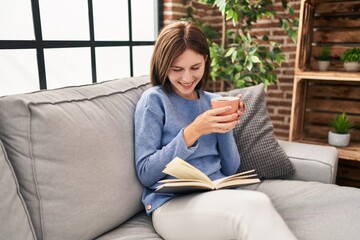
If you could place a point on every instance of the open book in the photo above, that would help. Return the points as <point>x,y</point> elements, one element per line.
<point>190,179</point>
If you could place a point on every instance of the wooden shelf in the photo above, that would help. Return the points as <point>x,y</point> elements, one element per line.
<point>318,96</point>
<point>351,152</point>
<point>329,75</point>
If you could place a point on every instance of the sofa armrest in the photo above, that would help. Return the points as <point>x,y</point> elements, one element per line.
<point>312,162</point>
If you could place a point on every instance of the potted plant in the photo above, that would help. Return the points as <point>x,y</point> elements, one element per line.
<point>340,135</point>
<point>323,61</point>
<point>351,59</point>
<point>240,58</point>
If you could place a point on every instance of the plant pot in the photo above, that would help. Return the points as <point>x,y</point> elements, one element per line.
<point>352,66</point>
<point>338,140</point>
<point>323,65</point>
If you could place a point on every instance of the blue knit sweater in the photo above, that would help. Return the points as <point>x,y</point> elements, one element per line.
<point>160,119</point>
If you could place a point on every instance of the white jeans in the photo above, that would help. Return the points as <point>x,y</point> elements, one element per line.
<point>221,215</point>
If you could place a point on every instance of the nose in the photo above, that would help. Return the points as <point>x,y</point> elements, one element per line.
<point>187,76</point>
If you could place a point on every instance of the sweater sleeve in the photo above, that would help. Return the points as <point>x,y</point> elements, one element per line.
<point>151,156</point>
<point>228,153</point>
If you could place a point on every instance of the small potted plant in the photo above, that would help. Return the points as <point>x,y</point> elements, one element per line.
<point>340,135</point>
<point>323,60</point>
<point>351,59</point>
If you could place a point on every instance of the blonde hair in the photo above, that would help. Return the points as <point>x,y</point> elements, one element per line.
<point>172,41</point>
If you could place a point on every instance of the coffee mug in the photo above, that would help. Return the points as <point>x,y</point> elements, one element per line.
<point>219,102</point>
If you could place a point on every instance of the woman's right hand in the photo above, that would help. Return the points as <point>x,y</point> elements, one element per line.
<point>210,122</point>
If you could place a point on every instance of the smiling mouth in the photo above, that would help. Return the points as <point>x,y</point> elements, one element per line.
<point>187,85</point>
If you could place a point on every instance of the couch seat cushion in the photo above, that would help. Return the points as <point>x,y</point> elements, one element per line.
<point>137,228</point>
<point>314,210</point>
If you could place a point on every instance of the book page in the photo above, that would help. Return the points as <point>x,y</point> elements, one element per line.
<point>176,180</point>
<point>190,179</point>
<point>183,170</point>
<point>187,187</point>
<point>236,175</point>
<point>237,182</point>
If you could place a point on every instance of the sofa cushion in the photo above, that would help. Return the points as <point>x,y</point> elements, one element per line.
<point>315,210</point>
<point>73,152</point>
<point>254,136</point>
<point>139,227</point>
<point>14,217</point>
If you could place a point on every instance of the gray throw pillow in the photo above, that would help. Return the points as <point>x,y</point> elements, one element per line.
<point>255,138</point>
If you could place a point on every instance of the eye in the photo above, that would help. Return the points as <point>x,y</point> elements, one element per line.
<point>176,69</point>
<point>196,67</point>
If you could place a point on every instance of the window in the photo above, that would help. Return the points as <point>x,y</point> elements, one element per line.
<point>49,44</point>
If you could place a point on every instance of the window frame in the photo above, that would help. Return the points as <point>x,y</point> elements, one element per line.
<point>39,44</point>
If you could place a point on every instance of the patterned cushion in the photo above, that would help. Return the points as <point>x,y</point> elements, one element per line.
<point>255,139</point>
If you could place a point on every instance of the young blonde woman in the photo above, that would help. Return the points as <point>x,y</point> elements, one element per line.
<point>174,119</point>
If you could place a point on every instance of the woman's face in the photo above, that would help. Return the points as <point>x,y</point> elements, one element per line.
<point>186,72</point>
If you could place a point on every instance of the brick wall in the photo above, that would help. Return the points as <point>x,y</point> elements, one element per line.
<point>279,96</point>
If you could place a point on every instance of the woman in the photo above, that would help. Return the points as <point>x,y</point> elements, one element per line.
<point>174,119</point>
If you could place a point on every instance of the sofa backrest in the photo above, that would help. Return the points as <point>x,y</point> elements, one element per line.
<point>15,222</point>
<point>72,150</point>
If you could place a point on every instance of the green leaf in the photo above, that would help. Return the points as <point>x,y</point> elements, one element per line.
<point>221,4</point>
<point>249,65</point>
<point>285,24</point>
<point>230,52</point>
<point>278,60</point>
<point>240,83</point>
<point>272,43</point>
<point>296,22</point>
<point>268,14</point>
<point>291,11</point>
<point>229,14</point>
<point>235,18</point>
<point>276,50</point>
<point>237,76</point>
<point>253,51</point>
<point>254,59</point>
<point>243,38</point>
<point>233,56</point>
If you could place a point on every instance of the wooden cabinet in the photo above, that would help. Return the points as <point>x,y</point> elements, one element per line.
<point>318,96</point>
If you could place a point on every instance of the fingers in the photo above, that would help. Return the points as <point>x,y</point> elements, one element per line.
<point>217,111</point>
<point>242,108</point>
<point>225,127</point>
<point>226,118</point>
<point>215,121</point>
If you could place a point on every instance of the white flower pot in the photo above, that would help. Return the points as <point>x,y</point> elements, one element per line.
<point>339,140</point>
<point>323,65</point>
<point>352,66</point>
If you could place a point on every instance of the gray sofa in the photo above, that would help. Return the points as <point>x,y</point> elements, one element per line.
<point>67,171</point>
